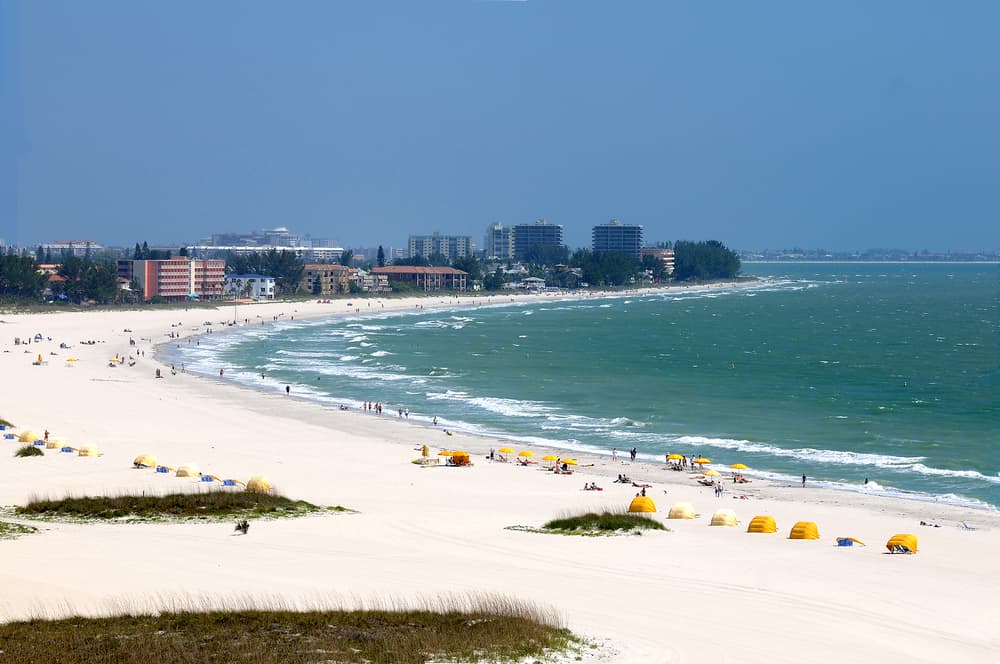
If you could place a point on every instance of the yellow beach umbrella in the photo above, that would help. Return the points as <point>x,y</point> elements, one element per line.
<point>702,460</point>
<point>712,473</point>
<point>526,453</point>
<point>570,462</point>
<point>739,466</point>
<point>675,457</point>
<point>505,450</point>
<point>549,457</point>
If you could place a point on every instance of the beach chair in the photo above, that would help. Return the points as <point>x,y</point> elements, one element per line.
<point>68,450</point>
<point>966,526</point>
<point>206,478</point>
<point>162,469</point>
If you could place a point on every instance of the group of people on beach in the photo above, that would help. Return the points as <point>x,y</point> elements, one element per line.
<point>370,407</point>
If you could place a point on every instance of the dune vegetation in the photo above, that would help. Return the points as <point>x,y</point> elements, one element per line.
<point>215,505</point>
<point>490,629</point>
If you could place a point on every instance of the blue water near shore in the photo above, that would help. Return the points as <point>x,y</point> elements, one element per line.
<point>838,371</point>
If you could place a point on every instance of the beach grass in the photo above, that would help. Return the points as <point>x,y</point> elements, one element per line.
<point>604,522</point>
<point>5,423</point>
<point>11,530</point>
<point>215,505</point>
<point>596,524</point>
<point>29,451</point>
<point>487,629</point>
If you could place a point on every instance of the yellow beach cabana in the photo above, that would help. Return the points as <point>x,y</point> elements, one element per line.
<point>681,511</point>
<point>188,470</point>
<point>642,504</point>
<point>762,524</point>
<point>89,451</point>
<point>902,543</point>
<point>144,461</point>
<point>259,484</point>
<point>28,436</point>
<point>804,530</point>
<point>723,517</point>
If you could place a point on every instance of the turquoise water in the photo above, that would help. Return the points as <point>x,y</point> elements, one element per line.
<point>839,371</point>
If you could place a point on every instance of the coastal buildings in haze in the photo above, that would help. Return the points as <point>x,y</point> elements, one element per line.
<point>616,236</point>
<point>449,246</point>
<point>498,244</point>
<point>540,234</point>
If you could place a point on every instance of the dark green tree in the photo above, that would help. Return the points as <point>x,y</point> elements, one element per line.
<point>346,257</point>
<point>381,256</point>
<point>701,261</point>
<point>471,265</point>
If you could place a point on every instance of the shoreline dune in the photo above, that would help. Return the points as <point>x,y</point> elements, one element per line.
<point>694,594</point>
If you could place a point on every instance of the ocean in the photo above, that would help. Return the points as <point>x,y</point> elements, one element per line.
<point>841,372</point>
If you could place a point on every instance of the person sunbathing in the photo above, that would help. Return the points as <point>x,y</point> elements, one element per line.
<point>642,486</point>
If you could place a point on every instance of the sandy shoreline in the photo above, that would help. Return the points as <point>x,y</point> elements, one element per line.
<point>421,531</point>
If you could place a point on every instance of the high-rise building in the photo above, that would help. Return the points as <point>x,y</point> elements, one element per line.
<point>538,234</point>
<point>176,278</point>
<point>616,236</point>
<point>449,246</point>
<point>498,243</point>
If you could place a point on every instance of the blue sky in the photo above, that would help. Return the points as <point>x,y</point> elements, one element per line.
<point>760,124</point>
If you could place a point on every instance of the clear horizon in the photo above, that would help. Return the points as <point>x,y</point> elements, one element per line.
<point>770,125</point>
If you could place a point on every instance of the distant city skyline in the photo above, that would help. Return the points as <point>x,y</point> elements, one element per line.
<point>843,127</point>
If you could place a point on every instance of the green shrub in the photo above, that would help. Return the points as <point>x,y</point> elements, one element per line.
<point>212,504</point>
<point>490,629</point>
<point>29,450</point>
<point>606,521</point>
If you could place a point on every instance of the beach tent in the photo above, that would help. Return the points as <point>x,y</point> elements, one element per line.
<point>642,504</point>
<point>89,450</point>
<point>460,458</point>
<point>28,436</point>
<point>902,543</point>
<point>188,470</point>
<point>762,524</point>
<point>259,484</point>
<point>723,517</point>
<point>681,511</point>
<point>144,461</point>
<point>804,530</point>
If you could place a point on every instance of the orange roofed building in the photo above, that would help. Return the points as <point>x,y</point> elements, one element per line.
<point>426,278</point>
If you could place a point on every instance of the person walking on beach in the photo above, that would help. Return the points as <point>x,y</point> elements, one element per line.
<point>288,389</point>
<point>803,481</point>
<point>614,454</point>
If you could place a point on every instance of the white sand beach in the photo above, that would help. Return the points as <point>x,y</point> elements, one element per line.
<point>695,594</point>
